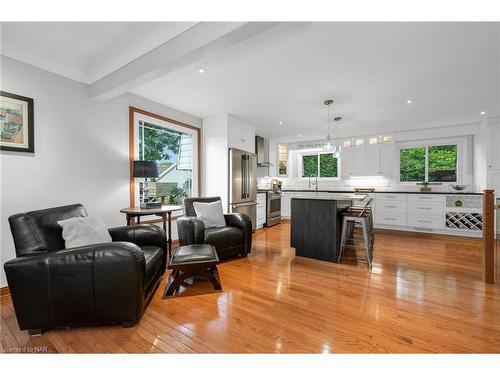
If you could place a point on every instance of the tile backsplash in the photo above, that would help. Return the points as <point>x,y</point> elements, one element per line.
<point>379,183</point>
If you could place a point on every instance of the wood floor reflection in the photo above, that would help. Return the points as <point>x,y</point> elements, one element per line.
<point>424,294</point>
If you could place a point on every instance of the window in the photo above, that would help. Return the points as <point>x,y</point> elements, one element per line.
<point>437,163</point>
<point>323,165</point>
<point>174,146</point>
<point>282,160</point>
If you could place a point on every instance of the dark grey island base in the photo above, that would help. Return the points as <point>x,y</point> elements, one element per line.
<point>316,227</point>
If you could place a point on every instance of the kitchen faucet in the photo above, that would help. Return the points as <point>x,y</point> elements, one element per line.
<point>316,183</point>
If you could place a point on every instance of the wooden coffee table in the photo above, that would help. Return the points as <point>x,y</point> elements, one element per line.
<point>199,260</point>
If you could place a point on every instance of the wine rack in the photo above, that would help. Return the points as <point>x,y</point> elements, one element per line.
<point>464,220</point>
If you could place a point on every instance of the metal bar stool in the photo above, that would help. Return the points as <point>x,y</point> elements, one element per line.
<point>361,216</point>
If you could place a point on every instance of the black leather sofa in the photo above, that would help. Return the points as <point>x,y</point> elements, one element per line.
<point>235,239</point>
<point>108,283</point>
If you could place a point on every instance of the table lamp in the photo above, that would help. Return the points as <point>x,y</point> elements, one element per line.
<point>145,169</point>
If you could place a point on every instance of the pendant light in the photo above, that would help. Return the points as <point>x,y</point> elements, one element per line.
<point>327,146</point>
<point>336,151</point>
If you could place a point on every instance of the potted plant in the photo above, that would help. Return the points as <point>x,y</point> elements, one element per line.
<point>425,186</point>
<point>176,195</point>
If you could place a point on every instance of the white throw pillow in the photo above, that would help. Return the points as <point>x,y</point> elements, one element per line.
<point>210,213</point>
<point>81,231</point>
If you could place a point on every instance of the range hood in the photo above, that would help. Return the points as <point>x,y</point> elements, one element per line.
<point>260,150</point>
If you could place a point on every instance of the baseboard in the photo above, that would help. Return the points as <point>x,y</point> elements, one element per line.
<point>4,291</point>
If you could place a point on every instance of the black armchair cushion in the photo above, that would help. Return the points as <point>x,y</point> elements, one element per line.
<point>224,237</point>
<point>38,231</point>
<point>153,256</point>
<point>142,234</point>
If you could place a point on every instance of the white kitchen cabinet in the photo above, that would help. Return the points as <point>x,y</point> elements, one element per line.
<point>388,160</point>
<point>353,161</point>
<point>390,209</point>
<point>261,209</point>
<point>373,160</point>
<point>240,135</point>
<point>380,159</point>
<point>359,161</point>
<point>426,211</point>
<point>364,158</point>
<point>494,154</point>
<point>346,162</point>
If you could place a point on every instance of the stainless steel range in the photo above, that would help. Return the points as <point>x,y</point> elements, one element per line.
<point>273,215</point>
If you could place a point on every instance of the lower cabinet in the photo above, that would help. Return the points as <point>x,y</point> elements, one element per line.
<point>261,209</point>
<point>432,222</point>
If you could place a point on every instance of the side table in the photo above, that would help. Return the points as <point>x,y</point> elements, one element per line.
<point>165,212</point>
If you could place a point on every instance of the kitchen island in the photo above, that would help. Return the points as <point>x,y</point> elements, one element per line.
<point>316,224</point>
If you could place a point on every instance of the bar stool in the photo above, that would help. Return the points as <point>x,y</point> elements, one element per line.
<point>358,216</point>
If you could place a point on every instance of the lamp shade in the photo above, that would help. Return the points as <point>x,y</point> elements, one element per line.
<point>146,169</point>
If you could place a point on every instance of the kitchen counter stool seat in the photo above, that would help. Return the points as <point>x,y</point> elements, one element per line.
<point>358,216</point>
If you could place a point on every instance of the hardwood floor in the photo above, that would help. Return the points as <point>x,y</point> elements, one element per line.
<point>424,294</point>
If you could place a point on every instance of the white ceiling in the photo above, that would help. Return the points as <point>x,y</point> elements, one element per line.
<point>285,73</point>
<point>84,51</point>
<point>370,69</point>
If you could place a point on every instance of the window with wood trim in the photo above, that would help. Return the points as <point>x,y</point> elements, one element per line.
<point>175,147</point>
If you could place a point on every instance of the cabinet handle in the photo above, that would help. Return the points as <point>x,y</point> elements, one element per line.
<point>424,197</point>
<point>424,208</point>
<point>390,206</point>
<point>390,196</point>
<point>390,218</point>
<point>424,221</point>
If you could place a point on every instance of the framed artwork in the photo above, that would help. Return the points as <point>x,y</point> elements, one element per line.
<point>16,123</point>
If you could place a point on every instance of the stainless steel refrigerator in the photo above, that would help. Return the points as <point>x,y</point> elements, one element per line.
<point>243,183</point>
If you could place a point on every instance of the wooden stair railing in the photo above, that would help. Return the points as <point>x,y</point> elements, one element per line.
<point>489,261</point>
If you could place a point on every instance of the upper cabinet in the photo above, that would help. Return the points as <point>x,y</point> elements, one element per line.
<point>370,156</point>
<point>353,158</point>
<point>380,156</point>
<point>494,135</point>
<point>240,134</point>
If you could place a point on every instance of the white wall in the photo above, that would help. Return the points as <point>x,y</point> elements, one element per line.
<point>81,150</point>
<point>219,133</point>
<point>215,158</point>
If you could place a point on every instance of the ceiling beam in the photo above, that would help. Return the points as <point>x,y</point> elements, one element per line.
<point>199,41</point>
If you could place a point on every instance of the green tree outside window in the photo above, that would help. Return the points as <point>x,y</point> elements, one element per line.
<point>412,164</point>
<point>327,165</point>
<point>321,165</point>
<point>440,163</point>
<point>309,165</point>
<point>443,163</point>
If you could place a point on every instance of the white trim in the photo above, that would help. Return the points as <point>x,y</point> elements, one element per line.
<point>460,142</point>
<point>316,151</point>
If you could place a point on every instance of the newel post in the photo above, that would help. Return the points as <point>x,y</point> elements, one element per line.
<point>489,261</point>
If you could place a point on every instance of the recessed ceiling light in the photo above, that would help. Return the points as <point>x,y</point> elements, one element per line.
<point>410,101</point>
<point>281,122</point>
<point>201,70</point>
<point>482,113</point>
<point>300,135</point>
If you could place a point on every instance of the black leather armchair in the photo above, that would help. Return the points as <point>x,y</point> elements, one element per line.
<point>235,239</point>
<point>107,283</point>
